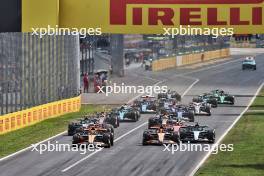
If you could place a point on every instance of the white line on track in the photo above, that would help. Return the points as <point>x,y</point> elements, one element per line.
<point>117,139</point>
<point>120,137</point>
<point>30,147</point>
<point>225,133</point>
<point>189,88</point>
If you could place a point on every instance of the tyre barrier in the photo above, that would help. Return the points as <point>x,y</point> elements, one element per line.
<point>171,62</point>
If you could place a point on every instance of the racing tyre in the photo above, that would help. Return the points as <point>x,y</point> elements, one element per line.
<point>138,114</point>
<point>144,142</point>
<point>71,133</point>
<point>160,96</point>
<point>78,130</point>
<point>232,101</point>
<point>208,110</point>
<point>183,141</point>
<point>191,116</point>
<point>175,138</point>
<point>197,100</point>
<point>107,141</point>
<point>162,110</point>
<point>135,117</point>
<point>212,141</point>
<point>74,142</point>
<point>112,141</point>
<point>149,125</point>
<point>108,144</point>
<point>76,139</point>
<point>176,96</point>
<point>117,122</point>
<point>214,104</point>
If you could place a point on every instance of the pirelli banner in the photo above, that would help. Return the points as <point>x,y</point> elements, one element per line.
<point>144,16</point>
<point>21,119</point>
<point>133,16</point>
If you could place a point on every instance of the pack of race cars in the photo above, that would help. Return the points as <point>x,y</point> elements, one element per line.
<point>170,123</point>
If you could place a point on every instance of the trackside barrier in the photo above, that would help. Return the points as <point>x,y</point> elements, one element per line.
<point>177,61</point>
<point>163,64</point>
<point>21,119</point>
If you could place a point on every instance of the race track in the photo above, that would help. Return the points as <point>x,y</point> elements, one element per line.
<point>128,157</point>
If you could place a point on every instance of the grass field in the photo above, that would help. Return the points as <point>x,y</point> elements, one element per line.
<point>22,138</point>
<point>247,159</point>
<point>259,102</point>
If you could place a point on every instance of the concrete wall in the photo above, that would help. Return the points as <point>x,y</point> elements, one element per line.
<point>177,61</point>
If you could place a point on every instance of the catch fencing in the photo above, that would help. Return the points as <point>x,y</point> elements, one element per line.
<point>36,71</point>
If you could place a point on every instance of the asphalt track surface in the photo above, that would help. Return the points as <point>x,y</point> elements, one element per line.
<point>128,156</point>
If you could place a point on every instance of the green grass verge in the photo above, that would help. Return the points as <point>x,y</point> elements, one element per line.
<point>247,158</point>
<point>22,138</point>
<point>259,102</point>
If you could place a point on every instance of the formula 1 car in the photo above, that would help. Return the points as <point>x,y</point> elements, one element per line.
<point>160,135</point>
<point>111,118</point>
<point>201,108</point>
<point>101,118</point>
<point>146,104</point>
<point>166,103</point>
<point>160,120</point>
<point>183,112</point>
<point>107,118</point>
<point>155,121</point>
<point>223,97</point>
<point>207,98</point>
<point>170,95</point>
<point>197,133</point>
<point>97,134</point>
<point>249,63</point>
<point>127,113</point>
<point>77,126</point>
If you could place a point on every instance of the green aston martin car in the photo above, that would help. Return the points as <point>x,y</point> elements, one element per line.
<point>223,97</point>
